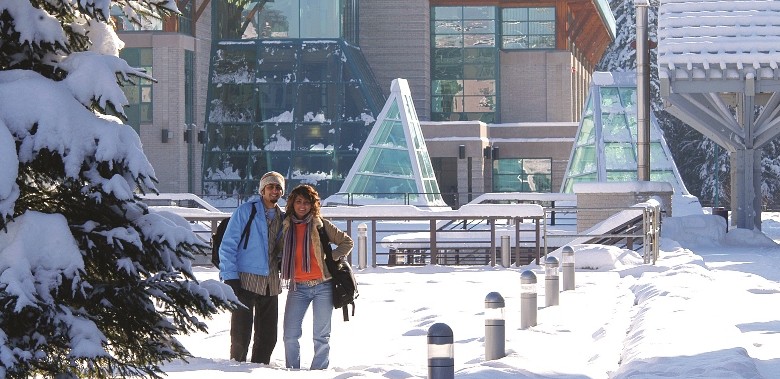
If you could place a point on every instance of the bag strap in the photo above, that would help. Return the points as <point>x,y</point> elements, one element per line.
<point>329,254</point>
<point>325,241</point>
<point>247,227</point>
<point>345,310</point>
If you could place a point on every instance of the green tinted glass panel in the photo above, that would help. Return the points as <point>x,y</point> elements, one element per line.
<point>448,13</point>
<point>484,27</point>
<point>528,28</point>
<point>610,99</point>
<point>391,135</point>
<point>615,128</point>
<point>619,156</point>
<point>583,161</point>
<point>569,187</point>
<point>658,159</point>
<point>476,13</point>
<point>621,176</point>
<point>448,26</point>
<point>587,134</point>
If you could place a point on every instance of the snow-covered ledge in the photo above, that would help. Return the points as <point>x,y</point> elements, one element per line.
<point>597,201</point>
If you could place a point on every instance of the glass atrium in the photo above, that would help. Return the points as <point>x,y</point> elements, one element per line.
<point>288,91</point>
<point>394,163</point>
<point>605,146</point>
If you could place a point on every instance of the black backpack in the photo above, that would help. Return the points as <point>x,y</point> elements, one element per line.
<point>344,284</point>
<point>216,238</point>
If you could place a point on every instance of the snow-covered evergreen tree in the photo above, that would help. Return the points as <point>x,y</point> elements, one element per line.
<point>92,282</point>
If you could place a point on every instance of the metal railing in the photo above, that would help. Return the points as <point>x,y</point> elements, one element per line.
<point>627,227</point>
<point>457,238</point>
<point>423,239</point>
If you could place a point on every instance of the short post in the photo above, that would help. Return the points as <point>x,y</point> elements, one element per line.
<point>441,355</point>
<point>567,267</point>
<point>505,251</point>
<point>528,303</point>
<point>362,245</point>
<point>551,283</point>
<point>495,327</point>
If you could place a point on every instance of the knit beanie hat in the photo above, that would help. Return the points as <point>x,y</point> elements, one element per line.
<point>272,177</point>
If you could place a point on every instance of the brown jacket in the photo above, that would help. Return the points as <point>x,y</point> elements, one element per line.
<point>337,237</point>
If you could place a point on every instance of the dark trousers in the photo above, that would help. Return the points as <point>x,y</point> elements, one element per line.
<point>262,314</point>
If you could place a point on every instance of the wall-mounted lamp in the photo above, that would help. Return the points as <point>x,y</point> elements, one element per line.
<point>201,136</point>
<point>166,135</point>
<point>187,135</point>
<point>462,152</point>
<point>495,152</point>
<point>488,151</point>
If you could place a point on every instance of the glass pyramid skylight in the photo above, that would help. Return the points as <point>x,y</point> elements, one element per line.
<point>605,146</point>
<point>393,167</point>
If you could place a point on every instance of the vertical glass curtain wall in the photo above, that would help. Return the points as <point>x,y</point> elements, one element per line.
<point>528,28</point>
<point>466,41</point>
<point>283,19</point>
<point>522,175</point>
<point>464,64</point>
<point>285,94</point>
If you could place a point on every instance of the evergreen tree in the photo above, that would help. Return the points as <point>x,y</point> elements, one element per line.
<point>114,308</point>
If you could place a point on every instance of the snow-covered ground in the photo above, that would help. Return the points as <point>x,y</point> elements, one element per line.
<point>707,309</point>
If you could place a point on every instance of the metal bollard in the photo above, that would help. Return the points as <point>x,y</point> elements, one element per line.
<point>362,228</point>
<point>505,251</point>
<point>551,283</point>
<point>528,303</point>
<point>495,327</point>
<point>441,355</point>
<point>567,268</point>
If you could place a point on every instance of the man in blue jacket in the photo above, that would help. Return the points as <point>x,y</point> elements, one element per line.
<point>250,267</point>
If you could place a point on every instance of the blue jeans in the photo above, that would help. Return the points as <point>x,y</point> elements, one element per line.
<point>321,298</point>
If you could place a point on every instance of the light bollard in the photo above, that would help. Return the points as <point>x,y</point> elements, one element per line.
<point>362,246</point>
<point>551,281</point>
<point>505,251</point>
<point>528,302</point>
<point>567,268</point>
<point>441,354</point>
<point>495,327</point>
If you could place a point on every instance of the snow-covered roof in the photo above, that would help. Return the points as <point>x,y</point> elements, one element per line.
<point>718,39</point>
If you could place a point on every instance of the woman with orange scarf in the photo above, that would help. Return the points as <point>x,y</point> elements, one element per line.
<point>306,275</point>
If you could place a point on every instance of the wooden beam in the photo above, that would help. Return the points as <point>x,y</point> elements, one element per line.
<point>200,10</point>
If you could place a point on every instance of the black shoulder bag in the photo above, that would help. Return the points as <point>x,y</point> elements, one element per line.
<point>344,284</point>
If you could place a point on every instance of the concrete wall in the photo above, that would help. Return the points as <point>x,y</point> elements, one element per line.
<point>395,51</point>
<point>542,86</point>
<point>527,140</point>
<point>552,140</point>
<point>598,201</point>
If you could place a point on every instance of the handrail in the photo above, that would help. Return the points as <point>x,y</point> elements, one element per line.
<point>436,245</point>
<point>649,219</point>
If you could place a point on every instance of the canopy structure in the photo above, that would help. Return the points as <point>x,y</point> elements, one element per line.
<point>393,166</point>
<point>718,70</point>
<point>605,148</point>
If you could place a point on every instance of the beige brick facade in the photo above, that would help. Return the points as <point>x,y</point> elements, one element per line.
<point>177,162</point>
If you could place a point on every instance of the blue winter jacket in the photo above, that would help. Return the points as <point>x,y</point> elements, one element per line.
<point>255,258</point>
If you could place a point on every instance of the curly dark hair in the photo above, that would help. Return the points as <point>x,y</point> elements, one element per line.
<point>307,192</point>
